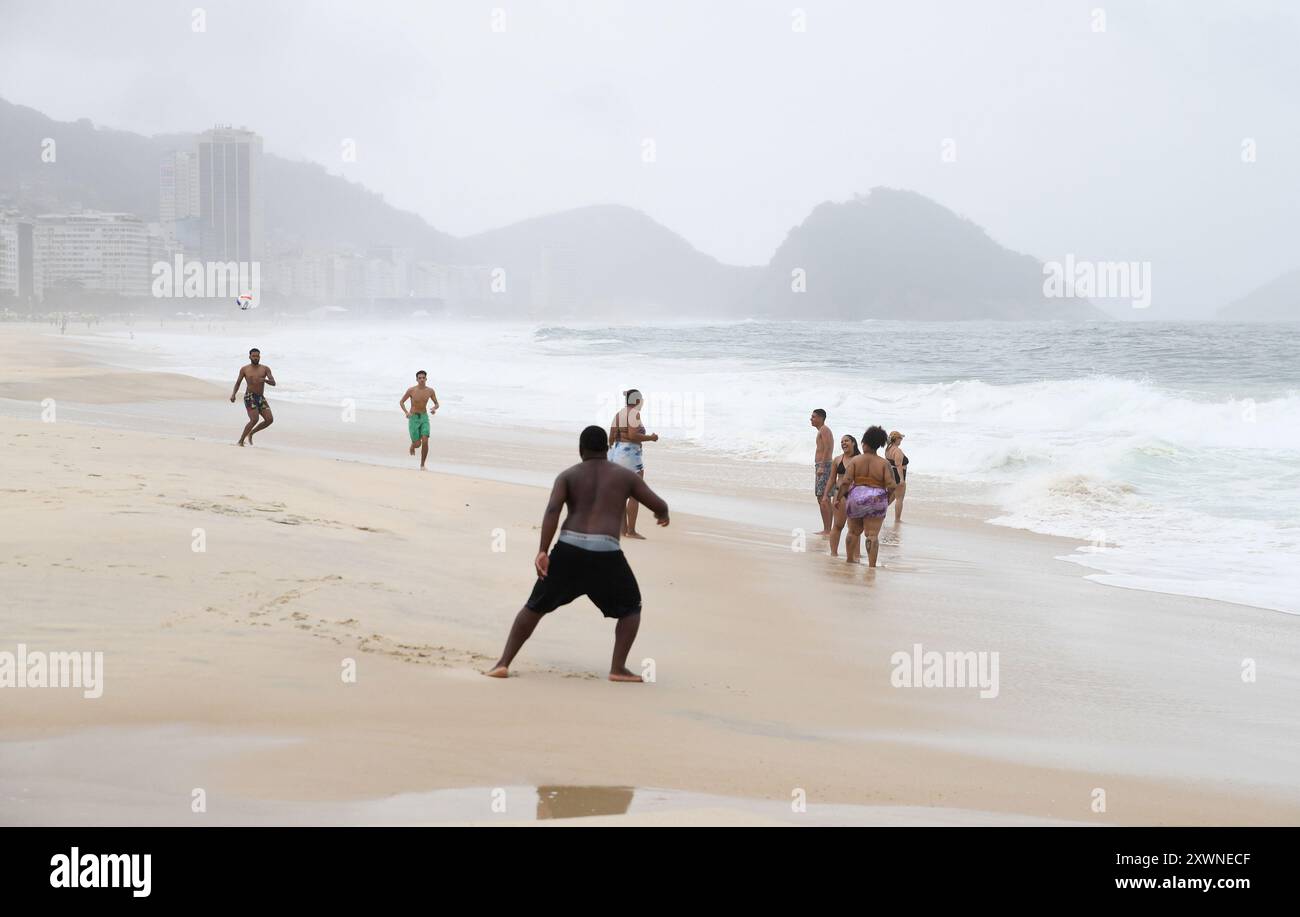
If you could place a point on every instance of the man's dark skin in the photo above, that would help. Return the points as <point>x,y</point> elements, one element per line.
<point>596,492</point>
<point>257,376</point>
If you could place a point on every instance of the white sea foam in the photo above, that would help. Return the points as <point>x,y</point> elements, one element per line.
<point>1190,486</point>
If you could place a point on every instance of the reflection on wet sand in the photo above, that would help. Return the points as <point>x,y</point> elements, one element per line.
<point>579,801</point>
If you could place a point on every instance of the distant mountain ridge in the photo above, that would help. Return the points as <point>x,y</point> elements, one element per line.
<point>887,254</point>
<point>1276,301</point>
<point>898,254</point>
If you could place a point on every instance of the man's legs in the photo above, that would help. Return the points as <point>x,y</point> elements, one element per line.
<point>525,622</point>
<point>267,420</point>
<point>624,634</point>
<point>248,427</point>
<point>820,484</point>
<point>424,450</point>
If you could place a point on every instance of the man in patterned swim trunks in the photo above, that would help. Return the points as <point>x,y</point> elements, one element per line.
<point>257,376</point>
<point>822,466</point>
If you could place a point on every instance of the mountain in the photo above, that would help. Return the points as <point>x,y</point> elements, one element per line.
<point>97,168</point>
<point>887,254</point>
<point>1276,301</point>
<point>898,254</point>
<point>608,259</point>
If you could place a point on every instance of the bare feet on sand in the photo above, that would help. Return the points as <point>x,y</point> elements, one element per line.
<point>498,672</point>
<point>634,535</point>
<point>626,675</point>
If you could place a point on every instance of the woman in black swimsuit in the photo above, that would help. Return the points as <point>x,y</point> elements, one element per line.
<point>898,459</point>
<point>836,495</point>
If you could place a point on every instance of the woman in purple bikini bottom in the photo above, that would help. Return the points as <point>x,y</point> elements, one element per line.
<point>870,484</point>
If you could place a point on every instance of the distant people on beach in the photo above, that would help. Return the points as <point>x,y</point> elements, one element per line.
<point>588,559</point>
<point>257,376</point>
<point>868,481</point>
<point>417,418</point>
<point>626,434</point>
<point>822,466</point>
<point>898,459</point>
<point>835,494</point>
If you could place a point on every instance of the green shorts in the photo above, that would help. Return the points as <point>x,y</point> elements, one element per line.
<point>418,424</point>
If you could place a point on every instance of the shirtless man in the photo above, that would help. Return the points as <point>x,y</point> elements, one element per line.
<point>257,376</point>
<point>822,467</point>
<point>588,559</point>
<point>417,418</point>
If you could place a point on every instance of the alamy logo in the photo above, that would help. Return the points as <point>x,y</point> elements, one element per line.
<point>38,669</point>
<point>921,669</point>
<point>206,279</point>
<point>102,870</point>
<point>1129,280</point>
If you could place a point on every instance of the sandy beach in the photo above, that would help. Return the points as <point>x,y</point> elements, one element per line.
<point>229,588</point>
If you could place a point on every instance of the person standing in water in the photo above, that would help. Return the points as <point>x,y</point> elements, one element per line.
<point>258,377</point>
<point>417,418</point>
<point>898,459</point>
<point>822,466</point>
<point>587,560</point>
<point>869,482</point>
<point>836,494</point>
<point>626,434</point>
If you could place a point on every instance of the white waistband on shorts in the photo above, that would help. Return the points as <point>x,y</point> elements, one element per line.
<point>590,542</point>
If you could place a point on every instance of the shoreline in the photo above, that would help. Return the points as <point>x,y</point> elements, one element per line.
<point>761,490</point>
<point>773,666</point>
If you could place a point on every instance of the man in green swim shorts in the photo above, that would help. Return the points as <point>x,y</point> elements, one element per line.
<point>417,418</point>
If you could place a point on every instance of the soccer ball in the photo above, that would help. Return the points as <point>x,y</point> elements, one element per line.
<point>245,301</point>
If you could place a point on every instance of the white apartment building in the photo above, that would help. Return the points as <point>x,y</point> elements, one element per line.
<point>92,251</point>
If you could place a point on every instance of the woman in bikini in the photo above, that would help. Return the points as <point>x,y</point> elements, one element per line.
<point>626,434</point>
<point>835,494</point>
<point>894,453</point>
<point>869,482</point>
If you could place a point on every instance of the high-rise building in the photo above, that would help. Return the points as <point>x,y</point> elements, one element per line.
<point>91,252</point>
<point>229,191</point>
<point>17,259</point>
<point>178,188</point>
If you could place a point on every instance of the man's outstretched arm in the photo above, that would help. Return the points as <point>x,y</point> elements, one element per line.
<point>650,500</point>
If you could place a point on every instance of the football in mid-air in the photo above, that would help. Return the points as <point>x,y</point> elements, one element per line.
<point>245,301</point>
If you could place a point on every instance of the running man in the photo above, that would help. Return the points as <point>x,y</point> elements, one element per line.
<point>588,559</point>
<point>417,418</point>
<point>822,466</point>
<point>258,377</point>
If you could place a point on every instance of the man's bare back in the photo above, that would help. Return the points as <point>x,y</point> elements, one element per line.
<point>596,493</point>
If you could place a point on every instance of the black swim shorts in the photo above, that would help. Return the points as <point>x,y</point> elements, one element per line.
<point>602,576</point>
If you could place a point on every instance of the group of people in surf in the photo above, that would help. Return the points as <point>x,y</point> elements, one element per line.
<point>855,489</point>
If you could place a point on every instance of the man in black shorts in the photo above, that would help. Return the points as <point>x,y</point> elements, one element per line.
<point>588,559</point>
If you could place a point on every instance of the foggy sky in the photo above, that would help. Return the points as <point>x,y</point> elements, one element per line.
<point>1121,145</point>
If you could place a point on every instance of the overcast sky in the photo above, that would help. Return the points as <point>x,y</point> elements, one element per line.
<point>1122,144</point>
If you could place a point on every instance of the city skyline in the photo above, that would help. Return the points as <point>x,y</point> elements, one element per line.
<point>1120,143</point>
